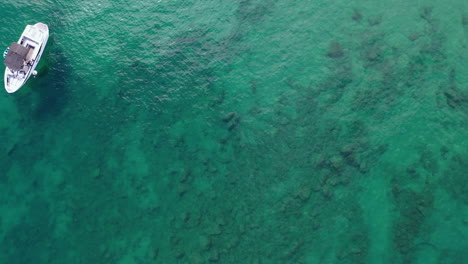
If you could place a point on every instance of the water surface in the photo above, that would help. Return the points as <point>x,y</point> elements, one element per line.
<point>238,132</point>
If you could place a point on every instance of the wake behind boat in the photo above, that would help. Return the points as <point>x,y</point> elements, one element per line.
<point>22,57</point>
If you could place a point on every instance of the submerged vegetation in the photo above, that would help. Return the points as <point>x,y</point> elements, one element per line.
<point>244,139</point>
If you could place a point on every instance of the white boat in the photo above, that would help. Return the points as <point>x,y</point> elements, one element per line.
<point>22,57</point>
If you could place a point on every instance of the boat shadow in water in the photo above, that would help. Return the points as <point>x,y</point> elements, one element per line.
<point>46,95</point>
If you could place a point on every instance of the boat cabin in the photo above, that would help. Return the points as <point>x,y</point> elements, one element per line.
<point>16,57</point>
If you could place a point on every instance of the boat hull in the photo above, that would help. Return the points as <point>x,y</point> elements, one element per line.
<point>14,80</point>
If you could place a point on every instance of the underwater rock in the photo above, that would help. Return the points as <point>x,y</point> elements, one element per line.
<point>322,178</point>
<point>333,181</point>
<point>316,184</point>
<point>234,123</point>
<point>327,192</point>
<point>426,14</point>
<point>232,120</point>
<point>214,230</point>
<point>353,160</point>
<point>465,19</point>
<point>155,253</point>
<point>210,167</point>
<point>242,228</point>
<point>414,36</point>
<point>182,189</point>
<point>172,220</point>
<point>294,249</point>
<point>185,217</point>
<point>374,21</point>
<point>12,149</point>
<point>229,116</point>
<point>453,98</point>
<point>220,220</point>
<point>335,51</point>
<point>304,193</point>
<point>196,258</point>
<point>364,167</point>
<point>214,256</point>
<point>337,162</point>
<point>444,150</point>
<point>212,195</point>
<point>414,208</point>
<point>315,224</point>
<point>283,121</point>
<point>355,250</point>
<point>411,170</point>
<point>233,242</point>
<point>428,161</point>
<point>356,16</point>
<point>218,99</point>
<point>204,243</point>
<point>348,150</point>
<point>175,240</point>
<point>253,86</point>
<point>154,210</point>
<point>373,54</point>
<point>187,220</point>
<point>179,253</point>
<point>455,178</point>
<point>255,260</point>
<point>290,207</point>
<point>96,173</point>
<point>184,176</point>
<point>321,161</point>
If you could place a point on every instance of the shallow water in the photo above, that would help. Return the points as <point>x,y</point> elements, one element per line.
<point>238,132</point>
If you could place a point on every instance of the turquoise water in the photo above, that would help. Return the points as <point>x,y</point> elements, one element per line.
<point>238,132</point>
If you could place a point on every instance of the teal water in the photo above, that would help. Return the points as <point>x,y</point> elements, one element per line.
<point>238,132</point>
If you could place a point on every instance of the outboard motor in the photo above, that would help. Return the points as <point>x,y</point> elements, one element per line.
<point>5,52</point>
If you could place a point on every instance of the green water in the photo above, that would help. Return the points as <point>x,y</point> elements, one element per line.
<point>238,132</point>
